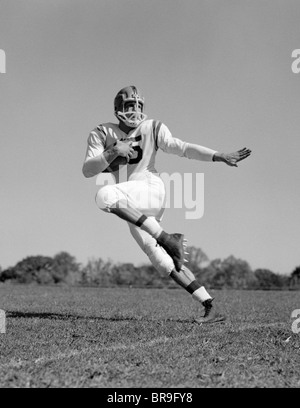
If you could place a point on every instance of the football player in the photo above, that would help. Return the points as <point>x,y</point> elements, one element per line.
<point>127,149</point>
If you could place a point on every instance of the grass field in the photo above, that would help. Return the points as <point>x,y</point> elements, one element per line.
<point>122,337</point>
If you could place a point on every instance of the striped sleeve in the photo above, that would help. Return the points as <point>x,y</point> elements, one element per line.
<point>156,125</point>
<point>170,144</point>
<point>96,142</point>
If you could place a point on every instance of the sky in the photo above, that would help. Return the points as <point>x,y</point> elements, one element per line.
<point>217,73</point>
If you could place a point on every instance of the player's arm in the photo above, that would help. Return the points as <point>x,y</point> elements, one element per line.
<point>97,163</point>
<point>176,146</point>
<point>173,145</point>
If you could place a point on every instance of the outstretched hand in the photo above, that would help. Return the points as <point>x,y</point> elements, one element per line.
<point>231,159</point>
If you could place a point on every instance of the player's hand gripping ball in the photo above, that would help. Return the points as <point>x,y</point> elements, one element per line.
<point>120,160</point>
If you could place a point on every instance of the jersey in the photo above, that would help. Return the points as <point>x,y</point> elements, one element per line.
<point>147,138</point>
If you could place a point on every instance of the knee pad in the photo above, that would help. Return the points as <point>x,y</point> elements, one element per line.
<point>106,197</point>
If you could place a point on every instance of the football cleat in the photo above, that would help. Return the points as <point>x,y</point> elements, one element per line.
<point>173,245</point>
<point>185,251</point>
<point>210,316</point>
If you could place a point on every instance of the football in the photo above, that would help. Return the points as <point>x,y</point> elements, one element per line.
<point>114,165</point>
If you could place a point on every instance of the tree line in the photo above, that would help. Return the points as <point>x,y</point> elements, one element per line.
<point>228,273</point>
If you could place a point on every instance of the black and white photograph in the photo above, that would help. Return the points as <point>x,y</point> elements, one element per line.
<point>150,196</point>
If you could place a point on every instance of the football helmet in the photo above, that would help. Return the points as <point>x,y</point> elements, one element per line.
<point>134,116</point>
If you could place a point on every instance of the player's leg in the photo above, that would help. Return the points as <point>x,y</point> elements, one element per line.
<point>156,254</point>
<point>185,278</point>
<point>128,200</point>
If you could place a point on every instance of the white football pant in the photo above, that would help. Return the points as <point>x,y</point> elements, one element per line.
<point>148,196</point>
